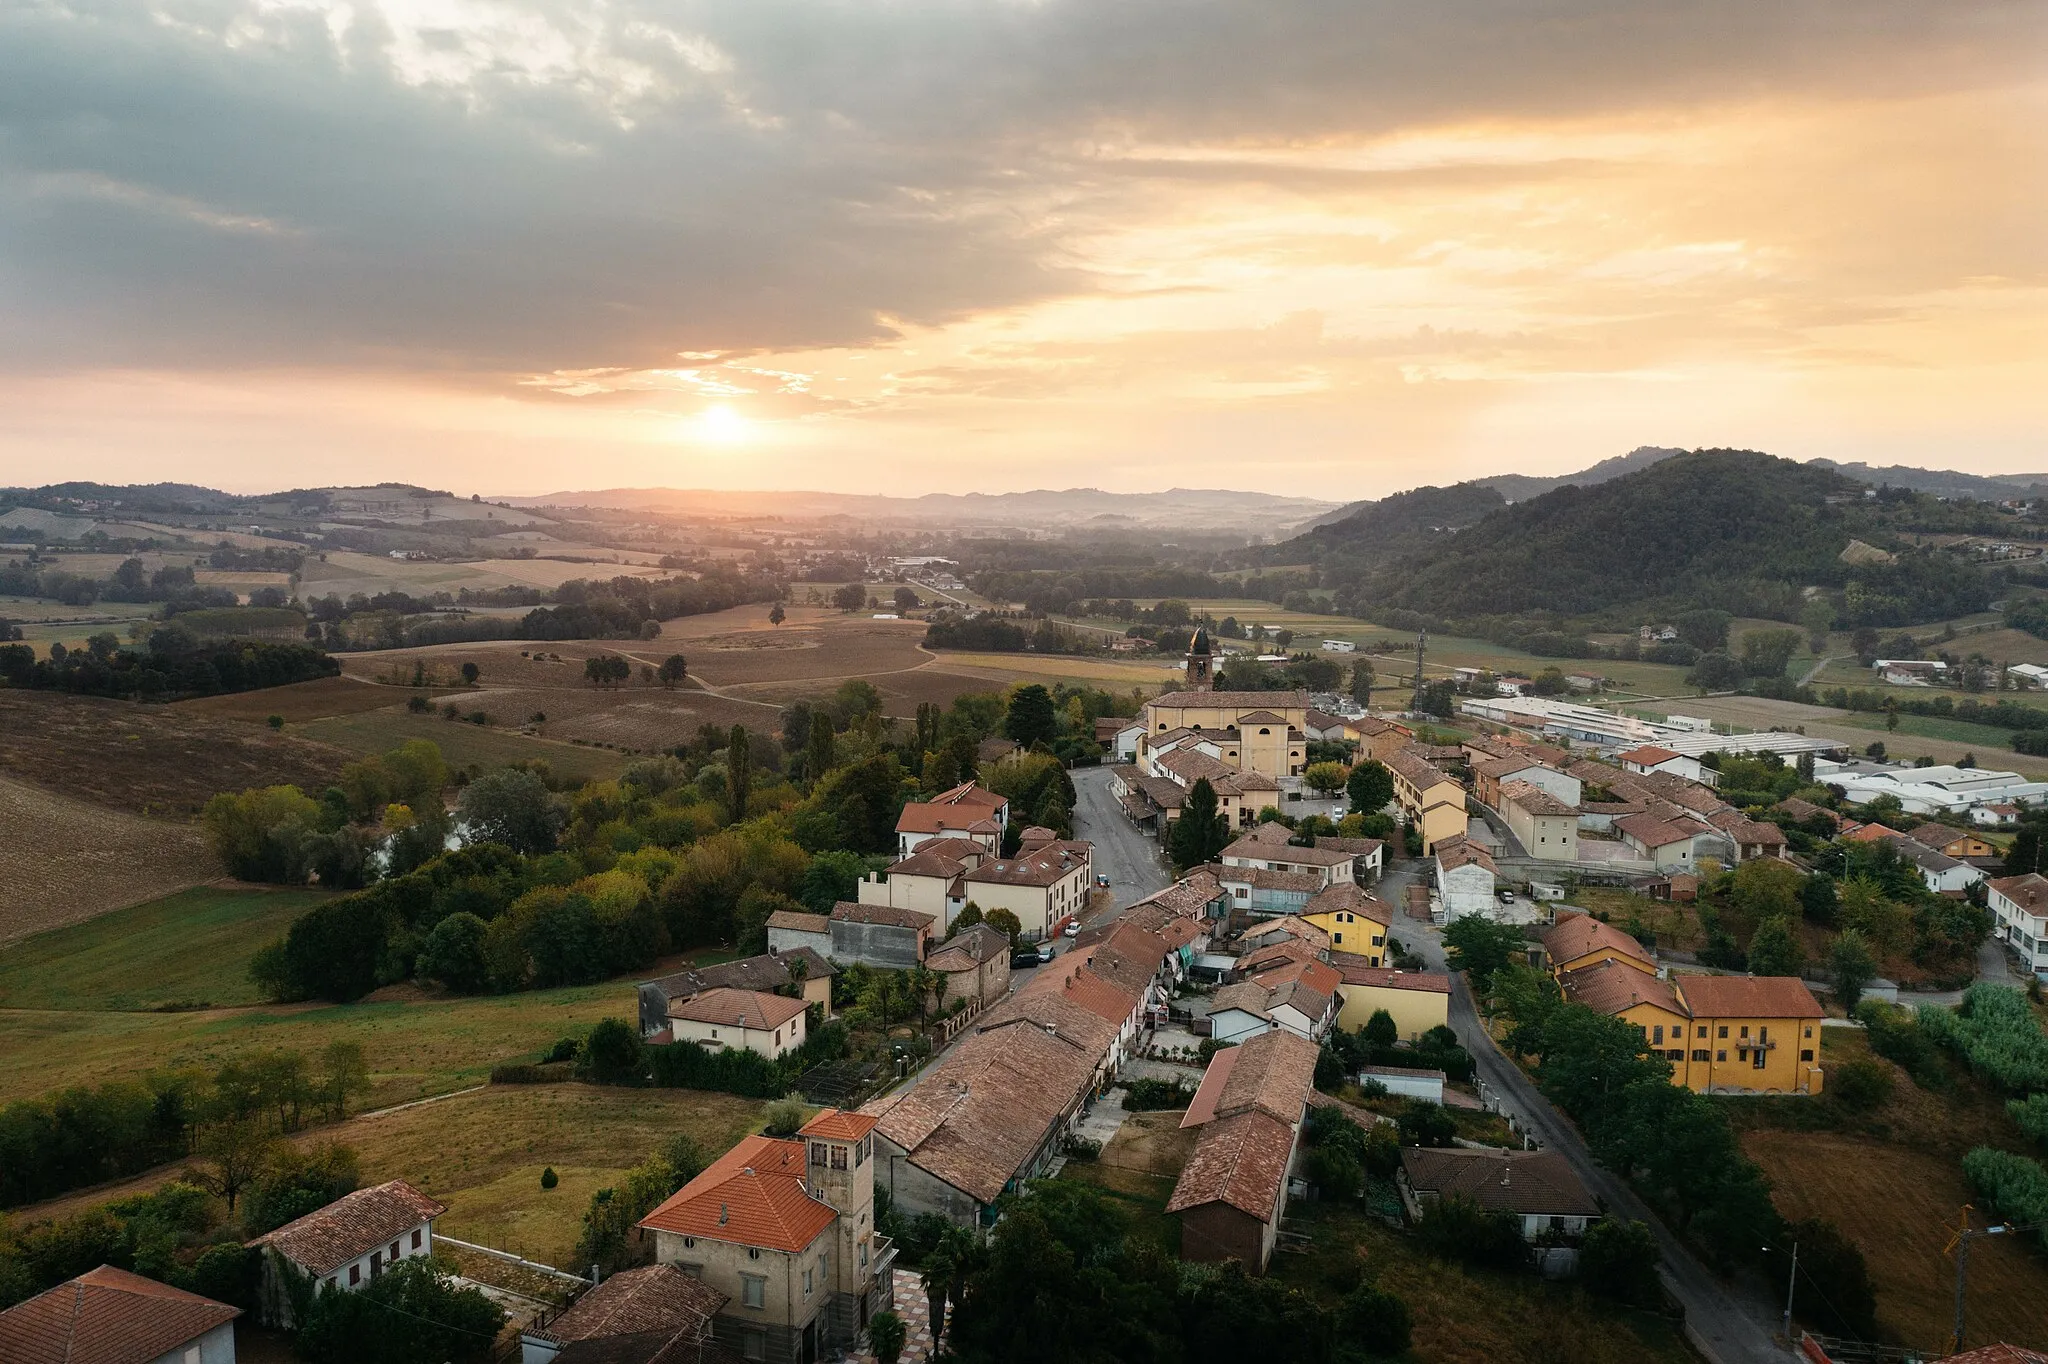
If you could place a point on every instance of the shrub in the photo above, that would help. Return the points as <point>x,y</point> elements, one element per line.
<point>1995,1031</point>
<point>1079,1147</point>
<point>786,1115</point>
<point>1834,1291</point>
<point>413,1311</point>
<point>1336,1172</point>
<point>1424,1123</point>
<point>548,1178</point>
<point>613,1055</point>
<point>1458,1229</point>
<point>227,1273</point>
<point>1618,1260</point>
<point>1377,1321</point>
<point>1860,1085</point>
<point>2015,1186</point>
<point>1895,1036</point>
<point>1145,1095</point>
<point>2031,1113</point>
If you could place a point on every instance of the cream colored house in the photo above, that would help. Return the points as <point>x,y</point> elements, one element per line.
<point>1431,800</point>
<point>786,1230</point>
<point>771,1025</point>
<point>1255,731</point>
<point>1043,888</point>
<point>1546,826</point>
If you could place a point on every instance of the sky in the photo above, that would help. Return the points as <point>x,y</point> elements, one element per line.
<point>1323,247</point>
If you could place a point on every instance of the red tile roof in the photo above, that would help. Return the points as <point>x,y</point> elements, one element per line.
<point>753,1195</point>
<point>1240,1160</point>
<point>852,912</point>
<point>1610,986</point>
<point>798,922</point>
<point>928,817</point>
<point>970,793</point>
<point>651,1298</point>
<point>836,1124</point>
<point>1575,935</point>
<point>1250,700</point>
<point>1748,996</point>
<point>1649,755</point>
<point>107,1316</point>
<point>2028,891</point>
<point>1353,971</point>
<point>738,1008</point>
<point>1535,799</point>
<point>351,1226</point>
<point>1529,1183</point>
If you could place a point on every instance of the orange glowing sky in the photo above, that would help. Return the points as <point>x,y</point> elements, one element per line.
<point>945,245</point>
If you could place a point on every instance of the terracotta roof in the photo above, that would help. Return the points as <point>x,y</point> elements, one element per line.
<point>1999,1354</point>
<point>768,971</point>
<point>1261,717</point>
<point>1262,879</point>
<point>1273,1073</point>
<point>1505,766</point>
<point>1271,832</point>
<point>1353,971</point>
<point>1285,926</point>
<point>1224,700</point>
<point>1529,1183</point>
<point>750,1009</point>
<point>1462,852</point>
<point>1748,997</point>
<point>927,817</point>
<point>970,793</point>
<point>1071,977</point>
<point>1253,850</point>
<point>1423,1071</point>
<point>1192,765</point>
<point>1246,996</point>
<point>1745,830</point>
<point>1241,1161</point>
<point>1322,719</point>
<point>968,948</point>
<point>1109,726</point>
<point>836,1124</point>
<point>797,922</point>
<point>1277,954</point>
<point>994,749</point>
<point>1654,833</point>
<point>890,916</point>
<point>753,1195</point>
<point>1190,895</point>
<point>1689,794</point>
<point>1610,986</point>
<point>353,1225</point>
<point>1346,897</point>
<point>1357,847</point>
<point>1417,770</point>
<point>1803,810</point>
<point>1534,799</point>
<point>1043,867</point>
<point>925,861</point>
<point>1575,935</point>
<point>2028,891</point>
<point>1649,755</point>
<point>634,1301</point>
<point>1938,836</point>
<point>107,1316</point>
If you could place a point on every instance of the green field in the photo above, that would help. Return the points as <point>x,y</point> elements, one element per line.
<point>462,744</point>
<point>1934,727</point>
<point>186,950</point>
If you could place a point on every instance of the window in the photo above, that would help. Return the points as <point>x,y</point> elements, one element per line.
<point>1809,1030</point>
<point>1703,1030</point>
<point>1657,1033</point>
<point>394,1251</point>
<point>1675,1054</point>
<point>1336,937</point>
<point>1699,1055</point>
<point>753,1290</point>
<point>1757,1058</point>
<point>714,1034</point>
<point>191,1355</point>
<point>863,1254</point>
<point>355,1275</point>
<point>415,1239</point>
<point>753,1252</point>
<point>818,1154</point>
<point>376,1263</point>
<point>1721,1055</point>
<point>809,1284</point>
<point>1724,1030</point>
<point>1379,940</point>
<point>1807,1054</point>
<point>839,1157</point>
<point>689,1243</point>
<point>1745,1030</point>
<point>754,1343</point>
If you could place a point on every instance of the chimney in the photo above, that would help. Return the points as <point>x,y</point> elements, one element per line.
<point>724,1213</point>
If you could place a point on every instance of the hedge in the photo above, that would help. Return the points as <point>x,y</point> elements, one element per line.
<point>1994,1030</point>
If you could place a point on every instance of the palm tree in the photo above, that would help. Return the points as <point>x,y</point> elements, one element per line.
<point>886,1333</point>
<point>922,981</point>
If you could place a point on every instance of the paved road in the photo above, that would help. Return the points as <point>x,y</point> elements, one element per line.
<point>1731,1327</point>
<point>1127,857</point>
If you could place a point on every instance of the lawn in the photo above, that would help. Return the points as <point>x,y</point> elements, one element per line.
<point>462,744</point>
<point>1468,1316</point>
<point>190,949</point>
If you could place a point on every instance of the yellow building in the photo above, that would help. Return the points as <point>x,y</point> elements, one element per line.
<point>1577,941</point>
<point>1256,731</point>
<point>1721,1034</point>
<point>1356,921</point>
<point>1431,800</point>
<point>1416,1000</point>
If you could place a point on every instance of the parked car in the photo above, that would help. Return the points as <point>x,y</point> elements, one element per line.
<point>1102,878</point>
<point>1026,958</point>
<point>1072,930</point>
<point>1507,896</point>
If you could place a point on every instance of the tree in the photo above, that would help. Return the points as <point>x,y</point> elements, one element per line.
<point>1766,653</point>
<point>1439,698</point>
<point>1817,617</point>
<point>1361,678</point>
<point>263,834</point>
<point>1381,1030</point>
<point>1775,949</point>
<point>1480,947</point>
<point>886,1334</point>
<point>1202,832</point>
<point>1852,966</point>
<point>237,1149</point>
<point>1006,923</point>
<point>606,670</point>
<point>1325,778</point>
<point>851,597</point>
<point>1031,717</point>
<point>344,1074</point>
<point>612,1053</point>
<point>1835,1293</point>
<point>511,807</point>
<point>470,673</point>
<point>739,772</point>
<point>673,670</point>
<point>820,749</point>
<point>1715,671</point>
<point>1618,1259</point>
<point>776,615</point>
<point>1370,786</point>
<point>1376,1321</point>
<point>453,954</point>
<point>968,917</point>
<point>906,599</point>
<point>1423,1123</point>
<point>414,1313</point>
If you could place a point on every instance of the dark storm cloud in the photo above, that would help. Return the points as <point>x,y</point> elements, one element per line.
<point>483,187</point>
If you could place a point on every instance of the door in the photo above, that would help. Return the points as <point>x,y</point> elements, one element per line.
<point>808,1353</point>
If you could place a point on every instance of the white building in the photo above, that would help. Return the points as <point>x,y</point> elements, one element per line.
<point>1464,878</point>
<point>1931,790</point>
<point>110,1316</point>
<point>348,1243</point>
<point>1338,646</point>
<point>2019,904</point>
<point>1656,758</point>
<point>749,1020</point>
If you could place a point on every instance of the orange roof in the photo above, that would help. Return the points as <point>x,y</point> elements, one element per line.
<point>933,818</point>
<point>2029,891</point>
<point>1354,971</point>
<point>1748,997</point>
<point>836,1124</point>
<point>107,1316</point>
<point>753,1195</point>
<point>969,793</point>
<point>1240,1160</point>
<point>1577,935</point>
<point>327,1238</point>
<point>750,1009</point>
<point>1610,986</point>
<point>1649,755</point>
<point>1870,833</point>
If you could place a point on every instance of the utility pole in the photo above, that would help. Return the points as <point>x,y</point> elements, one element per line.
<point>1791,1286</point>
<point>1421,647</point>
<point>1959,1245</point>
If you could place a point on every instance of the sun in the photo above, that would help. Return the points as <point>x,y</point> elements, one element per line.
<point>721,425</point>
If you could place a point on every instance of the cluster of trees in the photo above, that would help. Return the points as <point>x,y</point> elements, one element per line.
<point>2014,1185</point>
<point>173,664</point>
<point>1995,1031</point>
<point>1301,672</point>
<point>176,1235</point>
<point>87,1135</point>
<point>173,584</point>
<point>418,1312</point>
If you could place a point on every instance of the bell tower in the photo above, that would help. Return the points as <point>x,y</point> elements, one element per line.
<point>1201,663</point>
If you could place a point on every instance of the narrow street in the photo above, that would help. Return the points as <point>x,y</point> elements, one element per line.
<point>1127,857</point>
<point>1727,1325</point>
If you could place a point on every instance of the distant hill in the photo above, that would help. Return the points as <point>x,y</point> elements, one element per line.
<point>1730,528</point>
<point>1203,509</point>
<point>1943,482</point>
<point>1522,487</point>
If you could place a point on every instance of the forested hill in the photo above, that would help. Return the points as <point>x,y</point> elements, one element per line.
<point>1728,528</point>
<point>1382,531</point>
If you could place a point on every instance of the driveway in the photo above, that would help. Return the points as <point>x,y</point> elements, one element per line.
<point>1130,860</point>
<point>1728,1326</point>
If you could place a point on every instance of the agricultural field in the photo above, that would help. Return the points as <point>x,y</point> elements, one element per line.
<point>182,951</point>
<point>461,743</point>
<point>298,702</point>
<point>64,861</point>
<point>1893,1182</point>
<point>161,761</point>
<point>1855,730</point>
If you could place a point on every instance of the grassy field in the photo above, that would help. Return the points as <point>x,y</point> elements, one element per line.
<point>1893,1182</point>
<point>1756,712</point>
<point>63,861</point>
<point>462,744</point>
<point>187,949</point>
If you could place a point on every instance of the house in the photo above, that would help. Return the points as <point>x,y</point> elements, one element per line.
<point>1769,1025</point>
<point>1255,731</point>
<point>1299,997</point>
<point>1410,1082</point>
<point>1357,922</point>
<point>1910,672</point>
<point>1320,724</point>
<point>1416,1000</point>
<point>1258,891</point>
<point>1944,875</point>
<point>1577,941</point>
<point>1806,812</point>
<point>1431,801</point>
<point>1043,887</point>
<point>110,1316</point>
<point>966,811</point>
<point>805,972</point>
<point>1464,877</point>
<point>1339,646</point>
<point>975,963</point>
<point>1262,849</point>
<point>658,1300</point>
<point>928,880</point>
<point>1668,844</point>
<point>1537,1188</point>
<point>785,1231</point>
<point>789,930</point>
<point>768,1025</point>
<point>2019,908</point>
<point>882,936</point>
<point>1952,842</point>
<point>2000,816</point>
<point>1648,758</point>
<point>1547,827</point>
<point>993,750</point>
<point>1753,838</point>
<point>1615,987</point>
<point>1490,774</point>
<point>1249,1109</point>
<point>1367,854</point>
<point>346,1244</point>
